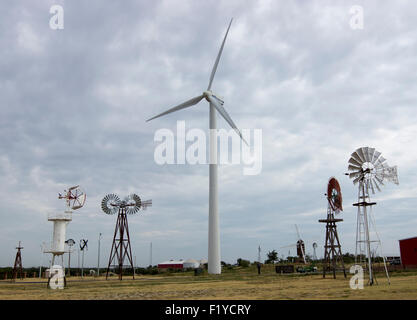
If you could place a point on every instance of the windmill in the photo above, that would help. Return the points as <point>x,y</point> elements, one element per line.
<point>18,268</point>
<point>216,104</point>
<point>332,247</point>
<point>368,169</point>
<point>300,246</point>
<point>83,247</point>
<point>74,200</point>
<point>70,243</point>
<point>121,247</point>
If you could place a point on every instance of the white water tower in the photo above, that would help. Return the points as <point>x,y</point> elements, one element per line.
<point>75,199</point>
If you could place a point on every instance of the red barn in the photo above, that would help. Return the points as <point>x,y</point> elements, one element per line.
<point>171,264</point>
<point>408,250</point>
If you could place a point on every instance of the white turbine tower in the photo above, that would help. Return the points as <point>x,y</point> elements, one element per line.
<point>216,103</point>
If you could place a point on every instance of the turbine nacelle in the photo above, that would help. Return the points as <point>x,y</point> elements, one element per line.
<point>209,93</point>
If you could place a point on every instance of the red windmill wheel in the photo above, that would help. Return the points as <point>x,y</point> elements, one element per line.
<point>334,195</point>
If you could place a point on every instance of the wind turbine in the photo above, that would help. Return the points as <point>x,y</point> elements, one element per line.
<point>216,103</point>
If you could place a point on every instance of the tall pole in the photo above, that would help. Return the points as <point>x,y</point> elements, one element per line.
<point>259,254</point>
<point>82,266</point>
<point>214,234</point>
<point>69,261</point>
<point>150,261</point>
<point>41,260</point>
<point>98,259</point>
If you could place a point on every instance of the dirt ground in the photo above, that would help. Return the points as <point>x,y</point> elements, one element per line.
<point>267,286</point>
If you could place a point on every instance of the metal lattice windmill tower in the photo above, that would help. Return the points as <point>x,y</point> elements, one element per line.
<point>121,248</point>
<point>216,105</point>
<point>369,170</point>
<point>18,268</point>
<point>332,248</point>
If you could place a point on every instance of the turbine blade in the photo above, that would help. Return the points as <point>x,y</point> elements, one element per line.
<point>376,156</point>
<point>361,155</point>
<point>357,158</point>
<point>355,162</point>
<point>216,63</point>
<point>353,168</point>
<point>371,152</point>
<point>225,115</point>
<point>365,151</point>
<point>381,161</point>
<point>186,104</point>
<point>355,174</point>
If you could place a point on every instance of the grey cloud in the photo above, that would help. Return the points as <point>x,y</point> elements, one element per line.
<point>74,104</point>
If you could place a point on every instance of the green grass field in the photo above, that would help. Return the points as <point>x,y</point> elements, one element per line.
<point>241,283</point>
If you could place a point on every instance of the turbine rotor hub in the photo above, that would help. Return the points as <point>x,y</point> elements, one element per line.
<point>209,93</point>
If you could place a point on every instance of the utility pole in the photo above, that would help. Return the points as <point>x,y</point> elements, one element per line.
<point>82,266</point>
<point>151,255</point>
<point>41,260</point>
<point>83,247</point>
<point>69,262</point>
<point>259,254</point>
<point>98,259</point>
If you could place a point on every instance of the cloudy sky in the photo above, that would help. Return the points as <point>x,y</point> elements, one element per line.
<point>74,104</point>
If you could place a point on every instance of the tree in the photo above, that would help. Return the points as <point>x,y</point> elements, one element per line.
<point>272,256</point>
<point>243,263</point>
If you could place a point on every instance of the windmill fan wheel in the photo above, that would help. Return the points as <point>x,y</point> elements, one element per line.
<point>133,203</point>
<point>110,203</point>
<point>334,195</point>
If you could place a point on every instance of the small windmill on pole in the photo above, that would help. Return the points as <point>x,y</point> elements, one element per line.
<point>18,268</point>
<point>70,243</point>
<point>74,199</point>
<point>83,247</point>
<point>332,248</point>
